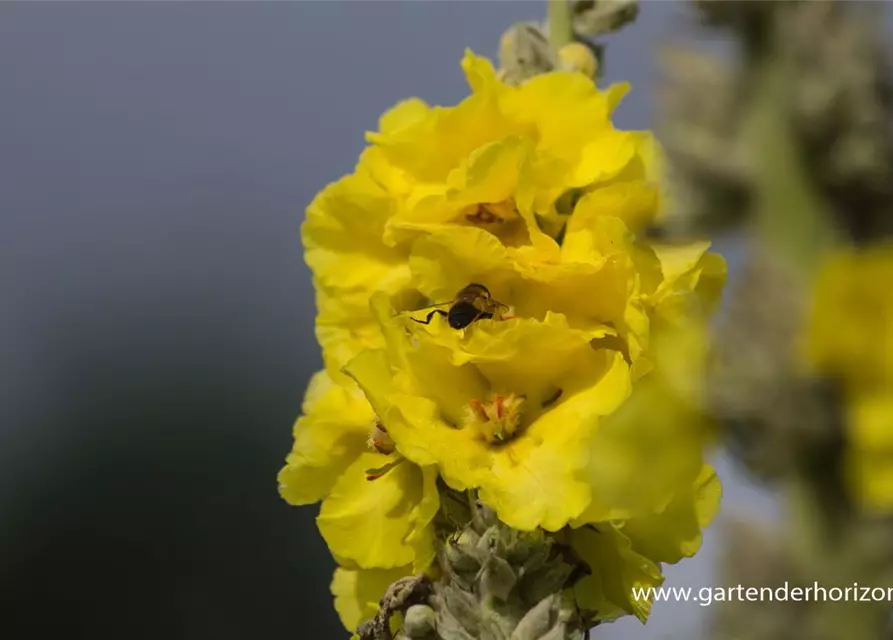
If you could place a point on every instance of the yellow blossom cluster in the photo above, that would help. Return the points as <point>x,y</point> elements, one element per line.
<point>562,388</point>
<point>851,340</point>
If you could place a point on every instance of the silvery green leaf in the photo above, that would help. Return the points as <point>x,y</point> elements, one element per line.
<point>557,632</point>
<point>550,579</point>
<point>497,578</point>
<point>524,51</point>
<point>465,608</point>
<point>537,621</point>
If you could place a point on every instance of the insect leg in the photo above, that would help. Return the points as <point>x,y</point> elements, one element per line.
<point>427,320</point>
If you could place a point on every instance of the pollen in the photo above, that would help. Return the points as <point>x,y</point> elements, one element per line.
<point>380,441</point>
<point>496,419</point>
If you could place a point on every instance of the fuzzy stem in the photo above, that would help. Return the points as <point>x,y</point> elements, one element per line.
<point>791,216</point>
<point>561,26</point>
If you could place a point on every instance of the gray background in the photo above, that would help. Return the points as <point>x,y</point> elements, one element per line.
<point>156,316</point>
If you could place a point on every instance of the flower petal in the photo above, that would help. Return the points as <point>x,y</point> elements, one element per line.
<point>328,438</point>
<point>616,570</point>
<point>381,509</point>
<point>539,479</point>
<point>358,592</point>
<point>675,533</point>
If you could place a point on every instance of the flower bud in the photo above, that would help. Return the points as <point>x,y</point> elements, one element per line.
<point>535,622</point>
<point>576,56</point>
<point>419,621</point>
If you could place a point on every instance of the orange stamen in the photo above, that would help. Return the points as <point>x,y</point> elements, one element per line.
<point>479,407</point>
<point>375,474</point>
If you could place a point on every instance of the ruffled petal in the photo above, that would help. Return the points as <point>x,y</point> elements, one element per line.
<point>329,436</point>
<point>616,571</point>
<point>539,480</point>
<point>381,509</point>
<point>675,533</point>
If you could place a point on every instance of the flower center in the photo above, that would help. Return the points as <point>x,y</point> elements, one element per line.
<point>501,219</point>
<point>497,419</point>
<point>493,213</point>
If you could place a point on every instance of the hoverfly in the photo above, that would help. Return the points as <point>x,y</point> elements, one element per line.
<point>471,304</point>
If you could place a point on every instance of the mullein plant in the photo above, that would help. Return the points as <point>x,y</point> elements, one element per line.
<point>789,143</point>
<point>518,473</point>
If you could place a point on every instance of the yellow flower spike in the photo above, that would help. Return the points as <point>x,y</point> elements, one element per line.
<point>576,56</point>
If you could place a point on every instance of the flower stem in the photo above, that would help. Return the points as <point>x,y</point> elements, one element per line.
<point>561,26</point>
<point>791,216</point>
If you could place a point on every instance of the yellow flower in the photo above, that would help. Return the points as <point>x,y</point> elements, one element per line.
<point>508,160</point>
<point>624,555</point>
<point>508,408</point>
<point>562,114</point>
<point>581,411</point>
<point>603,275</point>
<point>337,440</point>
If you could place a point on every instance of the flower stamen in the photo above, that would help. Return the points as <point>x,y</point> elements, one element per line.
<point>378,472</point>
<point>487,213</point>
<point>380,441</point>
<point>496,419</point>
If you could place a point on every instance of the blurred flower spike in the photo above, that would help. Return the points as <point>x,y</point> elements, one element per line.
<point>562,392</point>
<point>851,340</point>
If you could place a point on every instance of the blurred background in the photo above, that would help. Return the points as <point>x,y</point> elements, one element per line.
<point>156,329</point>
